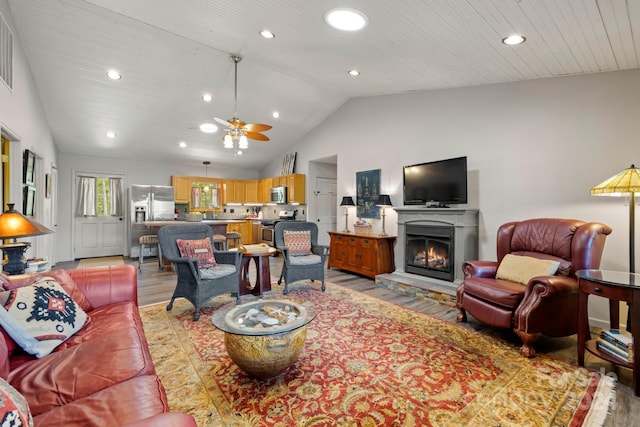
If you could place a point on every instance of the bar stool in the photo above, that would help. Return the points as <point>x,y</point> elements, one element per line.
<point>233,239</point>
<point>220,242</point>
<point>149,240</point>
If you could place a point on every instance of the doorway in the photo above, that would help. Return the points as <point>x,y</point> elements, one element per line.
<point>323,176</point>
<point>99,215</point>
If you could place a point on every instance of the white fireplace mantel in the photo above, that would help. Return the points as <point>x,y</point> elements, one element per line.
<point>465,223</point>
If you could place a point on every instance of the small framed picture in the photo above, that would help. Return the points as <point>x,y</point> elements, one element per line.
<point>47,186</point>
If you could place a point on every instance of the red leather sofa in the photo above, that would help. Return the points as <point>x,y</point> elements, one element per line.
<point>101,376</point>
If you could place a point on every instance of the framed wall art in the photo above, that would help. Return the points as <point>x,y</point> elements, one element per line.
<point>367,192</point>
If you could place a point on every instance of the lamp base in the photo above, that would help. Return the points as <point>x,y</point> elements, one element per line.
<point>14,252</point>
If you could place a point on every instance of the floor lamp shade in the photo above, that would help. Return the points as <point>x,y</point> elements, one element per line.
<point>12,226</point>
<point>625,183</point>
<point>346,202</point>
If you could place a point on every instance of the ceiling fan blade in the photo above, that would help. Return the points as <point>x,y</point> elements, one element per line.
<point>257,127</point>
<point>222,121</point>
<point>256,135</point>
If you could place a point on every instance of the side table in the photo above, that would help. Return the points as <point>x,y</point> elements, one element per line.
<point>615,286</point>
<point>263,271</point>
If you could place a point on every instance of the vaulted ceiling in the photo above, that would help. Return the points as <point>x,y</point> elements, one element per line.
<point>170,52</point>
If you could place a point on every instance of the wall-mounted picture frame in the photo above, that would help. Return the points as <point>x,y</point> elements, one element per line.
<point>29,200</point>
<point>29,167</point>
<point>367,192</point>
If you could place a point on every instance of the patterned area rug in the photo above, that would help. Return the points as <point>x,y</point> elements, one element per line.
<point>367,362</point>
<point>100,262</point>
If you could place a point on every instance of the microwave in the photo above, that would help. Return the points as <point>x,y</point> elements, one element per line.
<point>279,195</point>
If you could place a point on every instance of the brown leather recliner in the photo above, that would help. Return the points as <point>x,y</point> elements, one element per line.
<point>547,304</point>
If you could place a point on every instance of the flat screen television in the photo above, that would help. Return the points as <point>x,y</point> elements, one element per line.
<point>436,184</point>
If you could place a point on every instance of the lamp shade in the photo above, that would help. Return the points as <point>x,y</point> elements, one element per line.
<point>14,225</point>
<point>384,200</point>
<point>621,184</point>
<point>347,201</point>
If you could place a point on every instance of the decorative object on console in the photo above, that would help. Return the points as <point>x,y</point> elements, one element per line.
<point>346,202</point>
<point>238,131</point>
<point>13,225</point>
<point>368,188</point>
<point>384,201</point>
<point>627,182</point>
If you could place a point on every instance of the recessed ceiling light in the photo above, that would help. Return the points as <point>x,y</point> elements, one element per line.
<point>267,34</point>
<point>354,72</point>
<point>110,134</point>
<point>207,97</point>
<point>346,19</point>
<point>182,144</point>
<point>514,39</point>
<point>276,114</point>
<point>208,128</point>
<point>114,75</point>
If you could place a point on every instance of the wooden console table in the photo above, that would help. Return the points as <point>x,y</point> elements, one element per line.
<point>365,254</point>
<point>615,286</point>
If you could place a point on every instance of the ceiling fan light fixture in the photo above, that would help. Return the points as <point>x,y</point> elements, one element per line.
<point>228,141</point>
<point>243,142</point>
<point>346,19</point>
<point>208,128</point>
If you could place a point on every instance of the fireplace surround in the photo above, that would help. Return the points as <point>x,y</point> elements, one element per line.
<point>450,230</point>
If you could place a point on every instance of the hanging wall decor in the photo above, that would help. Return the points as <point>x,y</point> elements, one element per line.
<point>368,189</point>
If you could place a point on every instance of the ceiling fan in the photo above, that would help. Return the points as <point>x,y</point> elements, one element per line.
<point>237,130</point>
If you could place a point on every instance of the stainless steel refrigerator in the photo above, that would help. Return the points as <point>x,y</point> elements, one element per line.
<point>148,203</point>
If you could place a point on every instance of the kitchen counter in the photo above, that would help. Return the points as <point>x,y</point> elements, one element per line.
<point>206,221</point>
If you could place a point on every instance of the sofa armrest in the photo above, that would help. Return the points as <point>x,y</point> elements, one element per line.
<point>168,419</point>
<point>107,285</point>
<point>480,268</point>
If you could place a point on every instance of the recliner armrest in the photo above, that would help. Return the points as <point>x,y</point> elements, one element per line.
<point>480,268</point>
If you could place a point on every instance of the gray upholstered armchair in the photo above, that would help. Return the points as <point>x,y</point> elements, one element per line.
<point>196,284</point>
<point>297,264</point>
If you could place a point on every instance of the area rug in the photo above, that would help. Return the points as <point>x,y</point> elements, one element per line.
<point>100,262</point>
<point>367,362</point>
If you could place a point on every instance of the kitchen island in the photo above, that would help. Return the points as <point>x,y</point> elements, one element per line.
<point>219,226</point>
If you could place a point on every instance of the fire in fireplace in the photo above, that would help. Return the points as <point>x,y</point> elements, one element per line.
<point>429,251</point>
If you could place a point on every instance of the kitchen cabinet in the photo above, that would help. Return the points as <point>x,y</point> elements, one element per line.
<point>295,188</point>
<point>233,191</point>
<point>364,254</point>
<point>182,188</point>
<point>245,228</point>
<point>264,190</point>
<point>251,192</point>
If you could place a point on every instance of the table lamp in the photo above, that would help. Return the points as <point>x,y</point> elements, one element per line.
<point>627,182</point>
<point>346,202</point>
<point>13,225</point>
<point>384,201</point>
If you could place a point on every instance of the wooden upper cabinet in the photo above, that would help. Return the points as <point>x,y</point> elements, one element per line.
<point>251,194</point>
<point>181,188</point>
<point>264,190</point>
<point>295,188</point>
<point>233,191</point>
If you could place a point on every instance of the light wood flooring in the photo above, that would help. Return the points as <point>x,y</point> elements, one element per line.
<point>156,286</point>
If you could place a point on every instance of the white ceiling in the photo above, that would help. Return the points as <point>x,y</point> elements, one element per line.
<point>172,51</point>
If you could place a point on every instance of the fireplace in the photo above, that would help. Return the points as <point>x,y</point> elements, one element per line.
<point>429,251</point>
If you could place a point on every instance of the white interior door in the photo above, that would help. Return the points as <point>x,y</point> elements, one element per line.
<point>326,199</point>
<point>98,236</point>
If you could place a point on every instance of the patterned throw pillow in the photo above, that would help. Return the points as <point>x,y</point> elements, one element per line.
<point>41,316</point>
<point>68,284</point>
<point>298,241</point>
<point>200,249</point>
<point>14,409</point>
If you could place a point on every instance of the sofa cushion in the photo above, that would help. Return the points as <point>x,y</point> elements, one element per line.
<point>79,371</point>
<point>14,409</point>
<point>120,404</point>
<point>198,248</point>
<point>41,316</point>
<point>521,269</point>
<point>297,241</point>
<point>499,292</point>
<point>311,259</point>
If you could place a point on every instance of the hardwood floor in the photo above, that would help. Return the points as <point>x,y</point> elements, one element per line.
<point>157,286</point>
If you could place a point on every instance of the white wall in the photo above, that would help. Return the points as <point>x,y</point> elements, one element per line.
<point>534,149</point>
<point>21,114</point>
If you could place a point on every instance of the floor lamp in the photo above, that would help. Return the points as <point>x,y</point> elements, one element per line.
<point>13,225</point>
<point>627,182</point>
<point>384,201</point>
<point>346,202</point>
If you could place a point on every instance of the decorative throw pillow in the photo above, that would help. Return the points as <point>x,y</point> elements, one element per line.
<point>200,249</point>
<point>298,241</point>
<point>14,409</point>
<point>521,269</point>
<point>68,284</point>
<point>41,316</point>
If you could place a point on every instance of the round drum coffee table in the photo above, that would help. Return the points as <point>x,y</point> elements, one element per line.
<point>264,338</point>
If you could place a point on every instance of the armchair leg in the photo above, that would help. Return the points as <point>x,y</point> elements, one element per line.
<point>170,305</point>
<point>196,315</point>
<point>527,342</point>
<point>462,316</point>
